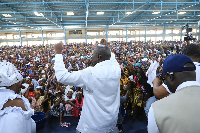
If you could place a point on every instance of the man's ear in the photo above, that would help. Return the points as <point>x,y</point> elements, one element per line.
<point>99,56</point>
<point>171,77</point>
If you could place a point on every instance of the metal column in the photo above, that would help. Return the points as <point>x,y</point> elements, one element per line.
<point>20,38</point>
<point>106,33</point>
<point>199,34</point>
<point>181,33</point>
<point>86,35</point>
<point>145,34</point>
<point>126,34</point>
<point>42,37</point>
<point>164,32</point>
<point>65,43</point>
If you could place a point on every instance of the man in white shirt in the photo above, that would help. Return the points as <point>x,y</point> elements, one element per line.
<point>193,51</point>
<point>178,112</point>
<point>101,89</point>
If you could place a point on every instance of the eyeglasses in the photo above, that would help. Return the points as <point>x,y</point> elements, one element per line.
<point>163,76</point>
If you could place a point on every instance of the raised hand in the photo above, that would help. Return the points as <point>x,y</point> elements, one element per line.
<point>58,48</point>
<point>103,41</point>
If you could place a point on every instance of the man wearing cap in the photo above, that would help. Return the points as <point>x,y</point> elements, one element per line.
<point>101,89</point>
<point>177,113</point>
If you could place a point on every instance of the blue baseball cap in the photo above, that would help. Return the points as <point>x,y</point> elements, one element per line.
<point>176,62</point>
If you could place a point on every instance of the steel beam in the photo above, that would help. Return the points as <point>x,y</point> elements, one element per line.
<point>95,2</point>
<point>52,12</point>
<point>115,12</point>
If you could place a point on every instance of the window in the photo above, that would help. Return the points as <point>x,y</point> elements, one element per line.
<point>175,31</point>
<point>75,32</point>
<point>159,31</point>
<point>142,32</point>
<point>168,31</point>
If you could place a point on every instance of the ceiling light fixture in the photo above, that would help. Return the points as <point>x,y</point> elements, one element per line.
<point>39,14</point>
<point>181,12</point>
<point>128,13</point>
<point>70,13</point>
<point>155,12</point>
<point>100,13</point>
<point>7,15</point>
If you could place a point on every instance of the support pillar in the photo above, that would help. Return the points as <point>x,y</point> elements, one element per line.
<point>86,35</point>
<point>20,38</point>
<point>181,34</point>
<point>199,34</point>
<point>164,32</point>
<point>106,33</point>
<point>145,34</point>
<point>42,37</point>
<point>65,43</point>
<point>126,34</point>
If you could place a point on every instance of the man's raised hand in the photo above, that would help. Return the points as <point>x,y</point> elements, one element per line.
<point>58,48</point>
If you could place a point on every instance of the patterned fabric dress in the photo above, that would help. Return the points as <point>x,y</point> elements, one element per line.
<point>55,111</point>
<point>37,105</point>
<point>138,95</point>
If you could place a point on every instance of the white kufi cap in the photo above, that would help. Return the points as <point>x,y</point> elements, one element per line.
<point>9,74</point>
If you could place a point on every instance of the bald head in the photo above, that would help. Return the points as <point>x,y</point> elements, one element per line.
<point>101,53</point>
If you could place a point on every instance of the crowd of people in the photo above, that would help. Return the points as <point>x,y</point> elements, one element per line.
<point>58,82</point>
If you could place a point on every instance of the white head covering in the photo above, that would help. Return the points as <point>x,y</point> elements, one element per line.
<point>9,74</point>
<point>26,87</point>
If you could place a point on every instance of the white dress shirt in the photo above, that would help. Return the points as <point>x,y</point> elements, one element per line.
<point>101,89</point>
<point>152,126</point>
<point>197,71</point>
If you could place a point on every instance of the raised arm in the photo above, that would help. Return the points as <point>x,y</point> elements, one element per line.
<point>158,89</point>
<point>62,74</point>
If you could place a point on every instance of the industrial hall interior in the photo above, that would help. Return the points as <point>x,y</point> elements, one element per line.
<point>99,66</point>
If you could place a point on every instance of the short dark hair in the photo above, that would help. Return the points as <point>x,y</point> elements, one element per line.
<point>192,50</point>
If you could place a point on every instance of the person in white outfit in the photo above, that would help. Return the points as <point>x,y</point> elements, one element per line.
<point>101,89</point>
<point>15,110</point>
<point>193,51</point>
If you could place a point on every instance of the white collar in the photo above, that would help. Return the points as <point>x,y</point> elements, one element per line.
<point>186,84</point>
<point>195,63</point>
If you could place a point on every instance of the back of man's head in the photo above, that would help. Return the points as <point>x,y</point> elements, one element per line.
<point>101,52</point>
<point>193,51</point>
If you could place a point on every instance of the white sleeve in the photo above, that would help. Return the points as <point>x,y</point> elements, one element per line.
<point>198,72</point>
<point>73,79</point>
<point>167,88</point>
<point>152,126</point>
<point>12,123</point>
